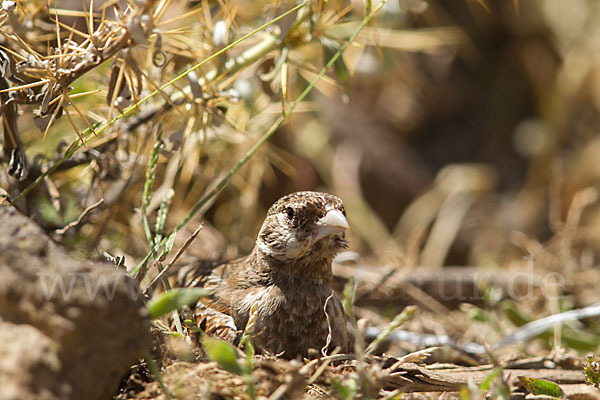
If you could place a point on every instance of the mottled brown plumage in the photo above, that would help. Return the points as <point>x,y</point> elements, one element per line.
<point>287,275</point>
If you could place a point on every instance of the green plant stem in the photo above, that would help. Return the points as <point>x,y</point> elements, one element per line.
<point>269,43</point>
<point>148,183</point>
<point>156,373</point>
<point>398,320</point>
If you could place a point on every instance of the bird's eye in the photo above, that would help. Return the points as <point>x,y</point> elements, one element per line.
<point>289,212</point>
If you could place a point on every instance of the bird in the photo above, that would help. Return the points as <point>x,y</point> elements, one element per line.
<point>285,281</point>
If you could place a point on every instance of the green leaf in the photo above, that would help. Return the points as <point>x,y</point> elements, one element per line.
<point>191,325</point>
<point>345,390</point>
<point>485,385</point>
<point>470,391</point>
<point>464,393</point>
<point>223,354</point>
<point>541,387</point>
<point>174,300</point>
<point>591,368</point>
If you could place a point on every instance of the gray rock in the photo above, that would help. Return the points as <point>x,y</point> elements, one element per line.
<point>70,328</point>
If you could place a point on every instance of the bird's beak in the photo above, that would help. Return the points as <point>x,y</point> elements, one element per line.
<point>332,223</point>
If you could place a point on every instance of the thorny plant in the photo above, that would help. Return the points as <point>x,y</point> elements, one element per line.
<point>53,73</point>
<point>48,66</point>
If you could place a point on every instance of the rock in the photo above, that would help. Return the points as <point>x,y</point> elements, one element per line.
<point>24,348</point>
<point>70,328</point>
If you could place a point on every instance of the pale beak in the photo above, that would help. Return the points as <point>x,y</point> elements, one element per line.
<point>332,223</point>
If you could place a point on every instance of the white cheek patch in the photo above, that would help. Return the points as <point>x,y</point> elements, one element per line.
<point>289,244</point>
<point>293,247</point>
<point>264,249</point>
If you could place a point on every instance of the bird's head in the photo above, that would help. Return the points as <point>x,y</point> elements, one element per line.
<point>303,225</point>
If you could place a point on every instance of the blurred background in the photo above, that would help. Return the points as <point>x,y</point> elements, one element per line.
<point>463,124</point>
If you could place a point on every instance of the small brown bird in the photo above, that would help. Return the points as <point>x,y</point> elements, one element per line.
<point>287,277</point>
